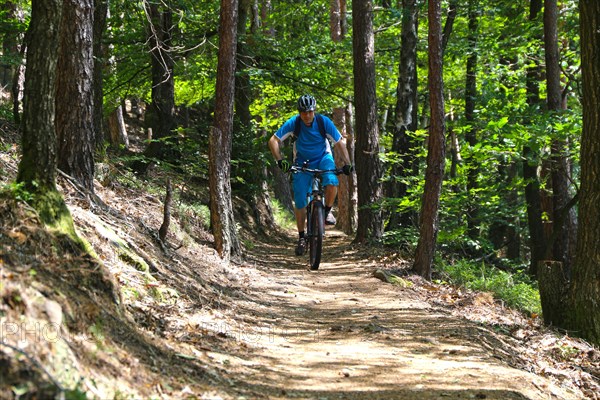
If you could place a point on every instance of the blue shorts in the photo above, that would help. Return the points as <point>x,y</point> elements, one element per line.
<point>302,180</point>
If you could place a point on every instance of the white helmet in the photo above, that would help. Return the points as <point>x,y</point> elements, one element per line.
<point>306,103</point>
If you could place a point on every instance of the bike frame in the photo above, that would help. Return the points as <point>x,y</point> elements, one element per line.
<point>315,213</point>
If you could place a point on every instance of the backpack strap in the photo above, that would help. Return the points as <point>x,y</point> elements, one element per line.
<point>297,128</point>
<point>320,123</point>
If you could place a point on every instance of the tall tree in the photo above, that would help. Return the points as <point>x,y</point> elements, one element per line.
<point>406,111</point>
<point>564,226</point>
<point>257,193</point>
<point>100,17</point>
<point>471,134</point>
<point>10,49</point>
<point>12,53</point>
<point>220,137</point>
<point>335,26</point>
<point>74,93</point>
<point>585,288</point>
<point>347,193</point>
<point>37,168</point>
<point>370,220</point>
<point>434,173</point>
<point>161,113</point>
<point>337,19</point>
<point>449,25</point>
<point>346,199</point>
<point>531,162</point>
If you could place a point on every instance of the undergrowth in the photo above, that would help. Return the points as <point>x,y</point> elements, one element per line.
<point>283,217</point>
<point>511,285</point>
<point>516,289</point>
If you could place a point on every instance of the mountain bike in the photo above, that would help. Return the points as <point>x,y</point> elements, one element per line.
<point>315,213</point>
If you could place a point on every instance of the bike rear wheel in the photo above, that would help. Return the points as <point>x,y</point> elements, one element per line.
<point>315,240</point>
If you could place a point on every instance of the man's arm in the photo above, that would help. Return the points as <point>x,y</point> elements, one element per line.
<point>343,150</point>
<point>274,143</point>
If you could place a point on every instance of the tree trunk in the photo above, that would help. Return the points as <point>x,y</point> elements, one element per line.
<point>449,25</point>
<point>259,199</point>
<point>337,20</point>
<point>37,168</point>
<point>472,209</point>
<point>10,49</point>
<point>265,11</point>
<point>116,128</point>
<point>335,27</point>
<point>343,18</point>
<point>406,117</point>
<point>513,251</point>
<point>38,163</point>
<point>531,162</point>
<point>346,217</point>
<point>553,281</point>
<point>17,87</point>
<point>220,136</point>
<point>243,92</point>
<point>161,112</point>
<point>566,230</point>
<point>369,169</point>
<point>585,289</point>
<point>100,16</point>
<point>74,95</point>
<point>436,149</point>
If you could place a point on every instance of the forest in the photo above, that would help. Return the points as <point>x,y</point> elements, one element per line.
<point>473,127</point>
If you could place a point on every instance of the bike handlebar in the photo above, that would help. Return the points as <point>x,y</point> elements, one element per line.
<point>295,168</point>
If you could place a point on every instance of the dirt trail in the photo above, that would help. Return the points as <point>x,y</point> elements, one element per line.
<point>341,333</point>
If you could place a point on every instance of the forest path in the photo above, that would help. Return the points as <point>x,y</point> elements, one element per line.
<point>340,333</point>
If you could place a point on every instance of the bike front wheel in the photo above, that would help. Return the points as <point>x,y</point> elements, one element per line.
<point>315,242</point>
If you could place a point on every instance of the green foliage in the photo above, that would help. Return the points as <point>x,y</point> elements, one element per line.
<point>193,214</point>
<point>292,53</point>
<point>75,394</point>
<point>514,288</point>
<point>406,238</point>
<point>6,110</point>
<point>248,162</point>
<point>17,191</point>
<point>282,216</point>
<point>508,45</point>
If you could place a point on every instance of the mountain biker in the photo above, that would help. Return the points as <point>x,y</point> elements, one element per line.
<point>312,144</point>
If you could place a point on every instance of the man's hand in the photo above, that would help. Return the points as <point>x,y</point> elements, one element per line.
<point>347,169</point>
<point>284,165</point>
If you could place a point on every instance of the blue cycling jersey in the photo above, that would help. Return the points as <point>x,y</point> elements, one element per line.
<point>310,144</point>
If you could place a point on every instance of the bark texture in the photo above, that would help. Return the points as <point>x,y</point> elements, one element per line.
<point>434,173</point>
<point>161,112</point>
<point>38,163</point>
<point>369,168</point>
<point>74,93</point>
<point>220,137</point>
<point>563,219</point>
<point>585,317</point>
<point>406,112</point>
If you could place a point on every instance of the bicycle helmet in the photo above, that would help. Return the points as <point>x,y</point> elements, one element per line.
<point>306,103</point>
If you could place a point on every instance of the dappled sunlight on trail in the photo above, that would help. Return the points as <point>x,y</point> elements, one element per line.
<point>340,333</point>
